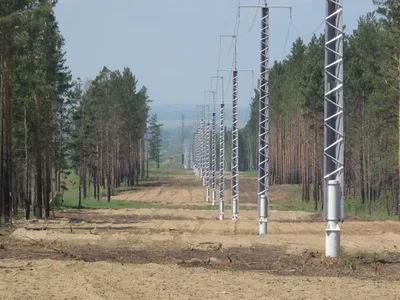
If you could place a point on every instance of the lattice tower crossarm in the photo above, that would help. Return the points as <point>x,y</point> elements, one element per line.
<point>235,150</point>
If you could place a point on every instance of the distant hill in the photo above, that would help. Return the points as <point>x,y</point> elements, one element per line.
<point>170,114</point>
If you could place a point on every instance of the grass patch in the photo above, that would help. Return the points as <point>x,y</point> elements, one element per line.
<point>374,211</point>
<point>71,194</point>
<point>293,205</point>
<point>293,201</point>
<point>250,174</point>
<point>355,261</point>
<point>114,204</point>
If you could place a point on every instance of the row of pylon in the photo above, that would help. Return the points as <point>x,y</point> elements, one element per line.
<point>205,163</point>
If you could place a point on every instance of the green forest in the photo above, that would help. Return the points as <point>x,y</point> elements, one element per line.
<point>52,125</point>
<point>371,100</point>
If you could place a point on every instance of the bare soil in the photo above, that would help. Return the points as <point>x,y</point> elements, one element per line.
<point>181,253</point>
<point>174,190</point>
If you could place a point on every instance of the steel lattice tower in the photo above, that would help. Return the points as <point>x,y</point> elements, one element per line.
<point>207,162</point>
<point>333,124</point>
<point>222,163</point>
<point>213,159</point>
<point>333,104</point>
<point>235,149</point>
<point>203,152</point>
<point>235,193</point>
<point>263,167</point>
<point>263,152</point>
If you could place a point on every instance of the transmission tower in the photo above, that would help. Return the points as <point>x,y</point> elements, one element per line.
<point>221,150</point>
<point>212,149</point>
<point>213,159</point>
<point>333,127</point>
<point>183,138</point>
<point>222,157</point>
<point>263,152</point>
<point>203,152</point>
<point>201,144</point>
<point>186,157</point>
<point>207,162</point>
<point>235,148</point>
<point>235,196</point>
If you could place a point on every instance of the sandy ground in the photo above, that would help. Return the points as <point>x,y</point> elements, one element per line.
<point>188,254</point>
<point>186,190</point>
<point>48,279</point>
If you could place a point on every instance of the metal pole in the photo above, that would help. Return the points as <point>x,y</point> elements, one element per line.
<point>263,152</point>
<point>222,157</point>
<point>182,139</point>
<point>211,150</point>
<point>197,150</point>
<point>201,146</point>
<point>213,160</point>
<point>186,157</point>
<point>263,167</point>
<point>235,149</point>
<point>203,152</point>
<point>222,164</point>
<point>235,193</point>
<point>213,153</point>
<point>333,124</point>
<point>194,151</point>
<point>207,162</point>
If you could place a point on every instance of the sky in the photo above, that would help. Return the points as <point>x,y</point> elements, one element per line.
<point>173,46</point>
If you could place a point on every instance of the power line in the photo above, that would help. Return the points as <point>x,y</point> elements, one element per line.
<point>230,75</point>
<point>308,34</point>
<point>255,16</point>
<point>287,37</point>
<point>237,25</point>
<point>250,98</point>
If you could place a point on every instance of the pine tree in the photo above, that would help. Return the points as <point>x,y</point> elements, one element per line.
<point>155,141</point>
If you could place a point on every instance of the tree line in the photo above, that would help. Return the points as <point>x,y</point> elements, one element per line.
<point>51,125</point>
<point>372,104</point>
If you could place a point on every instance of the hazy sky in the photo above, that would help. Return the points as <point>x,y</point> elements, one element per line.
<point>172,46</point>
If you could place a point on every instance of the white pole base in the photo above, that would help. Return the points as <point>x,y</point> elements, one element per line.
<point>208,195</point>
<point>221,209</point>
<point>262,226</point>
<point>234,209</point>
<point>213,198</point>
<point>332,239</point>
